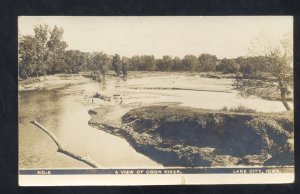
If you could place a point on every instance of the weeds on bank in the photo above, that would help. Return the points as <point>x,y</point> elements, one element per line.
<point>239,109</point>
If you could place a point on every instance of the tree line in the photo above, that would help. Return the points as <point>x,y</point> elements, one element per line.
<point>45,53</point>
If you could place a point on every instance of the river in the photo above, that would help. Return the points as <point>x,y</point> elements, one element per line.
<point>62,112</point>
<point>65,113</point>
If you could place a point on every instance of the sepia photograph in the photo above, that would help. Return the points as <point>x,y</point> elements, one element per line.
<point>155,100</point>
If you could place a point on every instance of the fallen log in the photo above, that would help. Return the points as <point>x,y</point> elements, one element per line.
<point>102,97</point>
<point>61,149</point>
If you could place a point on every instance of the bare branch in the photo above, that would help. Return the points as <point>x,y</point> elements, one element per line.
<point>60,149</point>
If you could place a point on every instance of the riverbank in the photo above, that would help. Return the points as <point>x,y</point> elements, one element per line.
<point>184,136</point>
<point>63,80</point>
<point>174,81</point>
<point>51,82</point>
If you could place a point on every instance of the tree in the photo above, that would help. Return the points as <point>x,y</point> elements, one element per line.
<point>33,52</point>
<point>100,64</point>
<point>165,64</point>
<point>125,61</point>
<point>116,64</point>
<point>278,77</point>
<point>74,61</point>
<point>228,66</point>
<point>87,61</point>
<point>249,65</point>
<point>148,63</point>
<point>134,63</point>
<point>56,51</point>
<point>41,53</point>
<point>190,62</point>
<point>207,63</point>
<point>177,64</point>
<point>27,55</point>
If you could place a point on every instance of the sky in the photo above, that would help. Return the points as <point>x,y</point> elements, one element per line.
<point>223,36</point>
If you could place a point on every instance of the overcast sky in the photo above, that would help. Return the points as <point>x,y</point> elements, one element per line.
<point>176,36</point>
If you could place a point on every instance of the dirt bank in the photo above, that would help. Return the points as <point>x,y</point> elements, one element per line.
<point>181,136</point>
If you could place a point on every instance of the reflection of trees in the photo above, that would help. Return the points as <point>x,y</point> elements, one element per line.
<point>42,105</point>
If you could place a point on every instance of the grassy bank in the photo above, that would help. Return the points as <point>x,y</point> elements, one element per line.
<point>182,136</point>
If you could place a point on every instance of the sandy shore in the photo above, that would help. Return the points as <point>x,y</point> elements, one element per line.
<point>51,82</point>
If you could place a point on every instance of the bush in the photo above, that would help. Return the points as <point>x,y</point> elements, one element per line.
<point>239,108</point>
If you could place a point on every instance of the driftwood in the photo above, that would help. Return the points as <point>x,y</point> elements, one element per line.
<point>61,149</point>
<point>103,97</point>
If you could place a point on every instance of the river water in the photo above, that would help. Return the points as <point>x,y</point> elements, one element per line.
<point>65,113</point>
<point>62,112</point>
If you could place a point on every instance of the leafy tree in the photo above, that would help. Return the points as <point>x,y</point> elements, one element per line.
<point>100,64</point>
<point>228,66</point>
<point>56,51</point>
<point>116,64</point>
<point>87,61</point>
<point>249,65</point>
<point>41,50</point>
<point>165,64</point>
<point>27,56</point>
<point>33,52</point>
<point>278,77</point>
<point>207,63</point>
<point>42,53</point>
<point>134,63</point>
<point>189,63</point>
<point>148,63</point>
<point>177,64</point>
<point>125,61</point>
<point>74,61</point>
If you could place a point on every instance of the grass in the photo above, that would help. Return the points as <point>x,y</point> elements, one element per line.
<point>238,109</point>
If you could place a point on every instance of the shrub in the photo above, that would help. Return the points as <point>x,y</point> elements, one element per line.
<point>239,108</point>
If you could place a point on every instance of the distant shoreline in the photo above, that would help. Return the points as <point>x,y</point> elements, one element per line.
<point>63,80</point>
<point>50,82</point>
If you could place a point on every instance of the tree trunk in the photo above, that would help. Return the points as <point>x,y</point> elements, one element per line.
<point>61,149</point>
<point>283,98</point>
